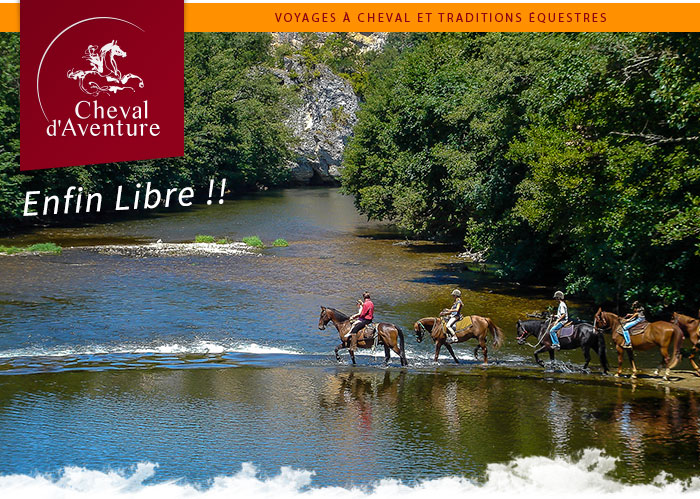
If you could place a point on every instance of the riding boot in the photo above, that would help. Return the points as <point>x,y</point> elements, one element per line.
<point>353,342</point>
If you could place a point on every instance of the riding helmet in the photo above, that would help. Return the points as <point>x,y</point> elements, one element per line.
<point>559,295</point>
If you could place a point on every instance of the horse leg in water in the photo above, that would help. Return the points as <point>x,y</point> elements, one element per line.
<point>587,356</point>
<point>619,361</point>
<point>438,344</point>
<point>339,347</point>
<point>352,356</point>
<point>665,361</point>
<point>539,351</point>
<point>482,343</point>
<point>452,352</point>
<point>387,355</point>
<point>691,358</point>
<point>630,354</point>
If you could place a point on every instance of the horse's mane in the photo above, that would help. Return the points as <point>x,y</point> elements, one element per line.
<point>339,315</point>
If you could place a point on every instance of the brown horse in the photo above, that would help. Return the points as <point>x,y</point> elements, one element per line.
<point>661,334</point>
<point>480,327</point>
<point>691,330</point>
<point>390,336</point>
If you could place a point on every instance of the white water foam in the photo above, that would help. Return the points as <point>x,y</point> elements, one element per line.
<point>197,347</point>
<point>175,249</point>
<point>583,478</point>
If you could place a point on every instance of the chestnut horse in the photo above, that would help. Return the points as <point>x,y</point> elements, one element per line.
<point>660,333</point>
<point>480,327</point>
<point>691,330</point>
<point>390,336</point>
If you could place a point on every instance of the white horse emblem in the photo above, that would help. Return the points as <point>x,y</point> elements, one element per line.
<point>104,75</point>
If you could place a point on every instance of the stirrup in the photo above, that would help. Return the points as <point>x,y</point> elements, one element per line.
<point>627,345</point>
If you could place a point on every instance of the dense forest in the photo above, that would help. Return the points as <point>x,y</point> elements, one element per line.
<point>571,158</point>
<point>568,156</point>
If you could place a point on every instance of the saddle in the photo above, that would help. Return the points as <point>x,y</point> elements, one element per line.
<point>462,324</point>
<point>636,329</point>
<point>566,330</point>
<point>366,333</point>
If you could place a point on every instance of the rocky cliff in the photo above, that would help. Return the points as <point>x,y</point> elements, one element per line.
<point>324,120</point>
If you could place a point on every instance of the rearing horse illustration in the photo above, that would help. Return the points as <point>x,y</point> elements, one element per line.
<point>104,75</point>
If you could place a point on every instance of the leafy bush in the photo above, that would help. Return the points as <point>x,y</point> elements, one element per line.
<point>204,239</point>
<point>34,248</point>
<point>253,241</point>
<point>280,243</point>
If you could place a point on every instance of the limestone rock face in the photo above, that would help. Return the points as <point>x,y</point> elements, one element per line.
<point>322,123</point>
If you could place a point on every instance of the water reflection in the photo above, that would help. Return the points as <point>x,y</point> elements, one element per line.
<point>346,424</point>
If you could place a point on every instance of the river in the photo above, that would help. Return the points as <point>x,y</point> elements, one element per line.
<point>115,353</point>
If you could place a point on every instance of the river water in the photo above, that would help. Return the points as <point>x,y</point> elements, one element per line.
<point>117,352</point>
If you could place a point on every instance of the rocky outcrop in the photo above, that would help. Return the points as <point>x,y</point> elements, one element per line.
<point>322,124</point>
<point>364,41</point>
<point>324,121</point>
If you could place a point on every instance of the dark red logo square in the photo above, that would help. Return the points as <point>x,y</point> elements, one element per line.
<point>100,82</point>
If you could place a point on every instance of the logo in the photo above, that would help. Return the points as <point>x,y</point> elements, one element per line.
<point>104,75</point>
<point>100,83</point>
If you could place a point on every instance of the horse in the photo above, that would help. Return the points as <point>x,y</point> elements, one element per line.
<point>585,336</point>
<point>390,336</point>
<point>691,330</point>
<point>660,333</point>
<point>479,329</point>
<point>104,74</point>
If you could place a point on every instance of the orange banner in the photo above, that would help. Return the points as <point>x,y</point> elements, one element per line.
<point>426,17</point>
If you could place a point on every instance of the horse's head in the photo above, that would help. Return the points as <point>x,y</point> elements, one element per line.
<point>420,329</point>
<point>113,48</point>
<point>601,319</point>
<point>675,318</point>
<point>324,318</point>
<point>521,333</point>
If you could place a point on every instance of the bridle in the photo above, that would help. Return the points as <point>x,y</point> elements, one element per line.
<point>424,330</point>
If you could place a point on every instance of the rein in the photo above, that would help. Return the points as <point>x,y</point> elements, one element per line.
<point>425,330</point>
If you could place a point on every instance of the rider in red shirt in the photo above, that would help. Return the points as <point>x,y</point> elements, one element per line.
<point>364,317</point>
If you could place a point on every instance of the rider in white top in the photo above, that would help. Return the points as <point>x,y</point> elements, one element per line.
<point>561,318</point>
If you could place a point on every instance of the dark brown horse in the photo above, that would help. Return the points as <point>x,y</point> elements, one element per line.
<point>660,334</point>
<point>691,330</point>
<point>481,326</point>
<point>390,336</point>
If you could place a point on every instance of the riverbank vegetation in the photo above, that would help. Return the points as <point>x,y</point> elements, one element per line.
<point>570,157</point>
<point>565,158</point>
<point>253,241</point>
<point>234,127</point>
<point>34,248</point>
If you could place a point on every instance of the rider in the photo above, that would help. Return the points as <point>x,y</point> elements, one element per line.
<point>455,315</point>
<point>364,317</point>
<point>560,319</point>
<point>632,319</point>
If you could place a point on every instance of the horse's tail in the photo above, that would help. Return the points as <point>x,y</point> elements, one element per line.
<point>402,348</point>
<point>498,336</point>
<point>677,341</point>
<point>601,351</point>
